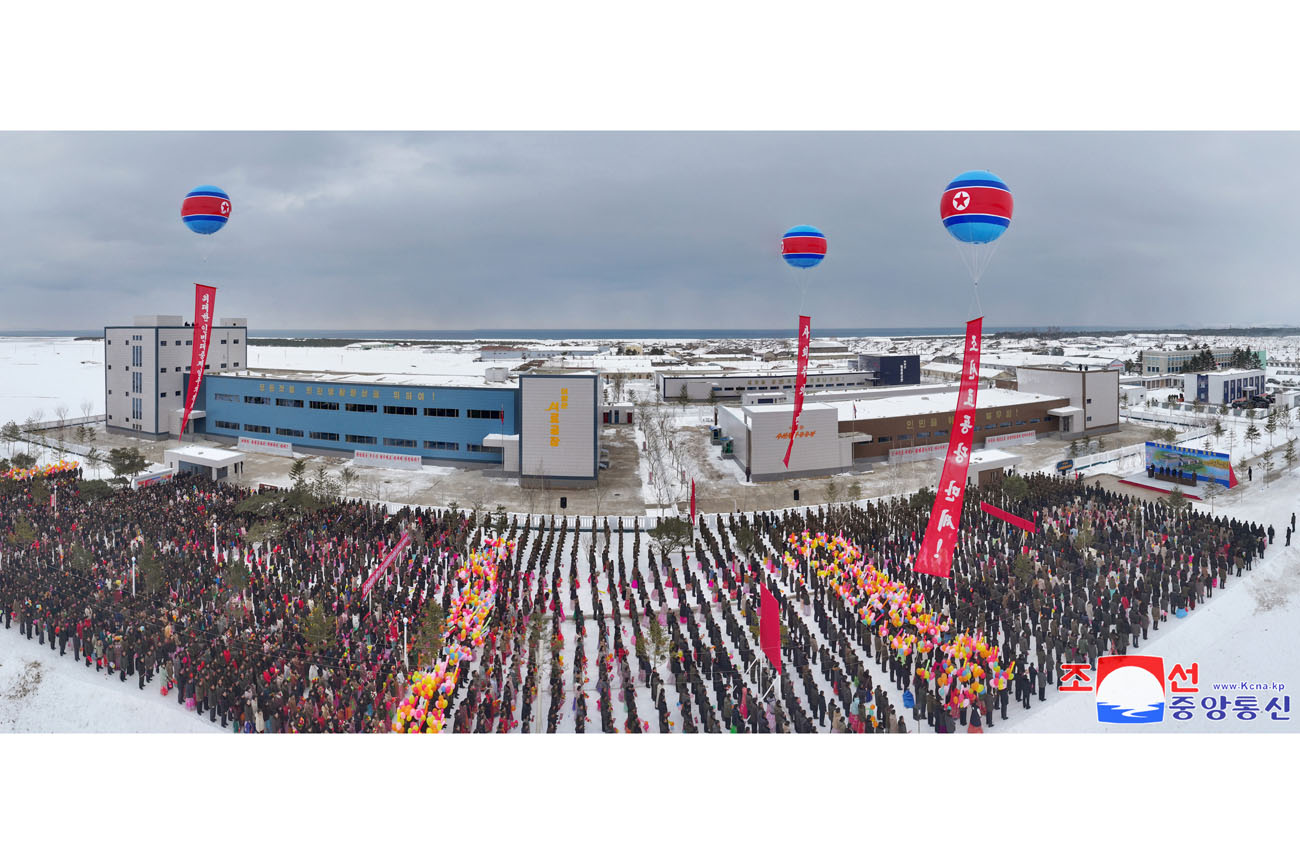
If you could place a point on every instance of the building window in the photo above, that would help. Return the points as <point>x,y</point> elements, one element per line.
<point>257,428</point>
<point>292,404</point>
<point>236,363</point>
<point>223,366</point>
<point>236,342</point>
<point>318,434</point>
<point>483,449</point>
<point>226,425</point>
<point>491,414</point>
<point>288,431</point>
<point>361,407</point>
<point>442,413</point>
<point>261,401</point>
<point>177,370</point>
<point>137,382</point>
<point>441,446</point>
<point>162,369</point>
<point>189,342</point>
<point>399,443</point>
<point>400,410</point>
<point>884,439</point>
<point>226,398</point>
<point>323,404</point>
<point>359,440</point>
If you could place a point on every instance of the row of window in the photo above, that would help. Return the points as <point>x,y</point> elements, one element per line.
<point>440,412</point>
<point>938,434</point>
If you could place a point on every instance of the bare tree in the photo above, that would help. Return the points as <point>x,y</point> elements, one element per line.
<point>87,407</point>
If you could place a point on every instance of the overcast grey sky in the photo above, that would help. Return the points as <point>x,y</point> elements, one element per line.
<point>653,230</point>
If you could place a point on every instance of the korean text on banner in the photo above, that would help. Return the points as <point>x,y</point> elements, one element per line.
<point>935,555</point>
<point>205,299</point>
<point>800,378</point>
<point>383,566</point>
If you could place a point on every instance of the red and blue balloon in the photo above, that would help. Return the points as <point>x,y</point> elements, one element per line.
<point>205,209</point>
<point>976,207</point>
<point>803,247</point>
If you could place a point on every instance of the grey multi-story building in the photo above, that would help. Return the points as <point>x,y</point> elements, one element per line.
<point>145,366</point>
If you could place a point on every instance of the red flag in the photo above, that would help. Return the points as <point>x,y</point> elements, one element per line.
<point>1008,517</point>
<point>935,555</point>
<point>769,628</point>
<point>692,502</point>
<point>800,379</point>
<point>205,298</point>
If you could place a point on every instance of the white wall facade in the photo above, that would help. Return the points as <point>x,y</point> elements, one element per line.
<point>817,447</point>
<point>1095,392</point>
<point>559,428</point>
<point>165,355</point>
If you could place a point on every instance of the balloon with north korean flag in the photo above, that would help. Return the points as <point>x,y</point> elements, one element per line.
<point>205,210</point>
<point>803,247</point>
<point>976,210</point>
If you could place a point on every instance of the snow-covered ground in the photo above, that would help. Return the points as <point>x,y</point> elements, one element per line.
<point>43,693</point>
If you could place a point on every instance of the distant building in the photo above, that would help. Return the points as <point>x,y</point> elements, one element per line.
<point>1166,361</point>
<point>892,369</point>
<point>732,385</point>
<point>1222,386</point>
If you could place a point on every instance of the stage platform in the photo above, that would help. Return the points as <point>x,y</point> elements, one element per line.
<point>1140,479</point>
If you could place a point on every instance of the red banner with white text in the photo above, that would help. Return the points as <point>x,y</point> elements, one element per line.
<point>800,378</point>
<point>935,555</point>
<point>383,566</point>
<point>205,300</point>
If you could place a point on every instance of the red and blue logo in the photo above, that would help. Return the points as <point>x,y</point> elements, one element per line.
<point>1130,690</point>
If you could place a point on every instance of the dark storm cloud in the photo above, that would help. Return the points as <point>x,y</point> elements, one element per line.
<point>359,230</point>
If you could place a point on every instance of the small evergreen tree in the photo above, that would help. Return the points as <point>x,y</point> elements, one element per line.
<point>126,461</point>
<point>1176,500</point>
<point>1252,434</point>
<point>318,630</point>
<point>429,635</point>
<point>298,472</point>
<point>23,461</point>
<point>23,533</point>
<point>1289,454</point>
<point>855,490</point>
<point>1014,487</point>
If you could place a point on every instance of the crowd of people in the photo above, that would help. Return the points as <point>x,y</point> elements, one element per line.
<point>249,610</point>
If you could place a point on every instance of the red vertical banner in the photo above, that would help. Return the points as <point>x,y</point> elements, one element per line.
<point>205,299</point>
<point>800,379</point>
<point>769,628</point>
<point>692,502</point>
<point>935,555</point>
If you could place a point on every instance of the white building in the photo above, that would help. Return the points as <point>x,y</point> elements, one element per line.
<point>145,366</point>
<point>528,353</point>
<point>733,385</point>
<point>1093,395</point>
<point>1218,387</point>
<point>213,463</point>
<point>760,434</point>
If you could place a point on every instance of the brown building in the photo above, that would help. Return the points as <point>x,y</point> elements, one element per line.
<point>924,421</point>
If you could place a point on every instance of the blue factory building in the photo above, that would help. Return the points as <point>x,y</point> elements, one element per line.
<point>396,415</point>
